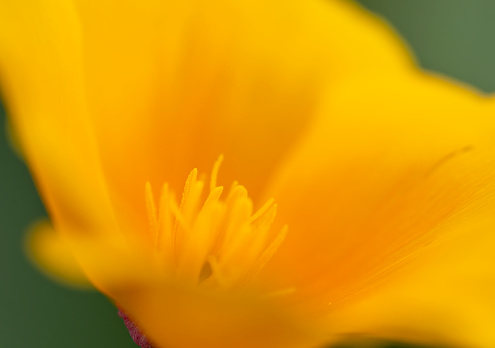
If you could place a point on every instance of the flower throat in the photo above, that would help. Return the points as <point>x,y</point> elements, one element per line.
<point>211,240</point>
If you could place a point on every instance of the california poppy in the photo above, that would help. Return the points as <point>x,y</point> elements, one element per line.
<point>361,188</point>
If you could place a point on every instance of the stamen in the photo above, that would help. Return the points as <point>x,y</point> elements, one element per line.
<point>270,251</point>
<point>165,238</point>
<point>217,272</point>
<point>262,210</point>
<point>191,179</point>
<point>217,242</point>
<point>214,172</point>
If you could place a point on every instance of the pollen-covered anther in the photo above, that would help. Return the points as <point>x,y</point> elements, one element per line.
<point>211,240</point>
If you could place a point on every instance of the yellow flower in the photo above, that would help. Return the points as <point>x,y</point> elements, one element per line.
<point>383,174</point>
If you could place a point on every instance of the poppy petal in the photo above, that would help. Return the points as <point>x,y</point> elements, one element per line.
<point>389,167</point>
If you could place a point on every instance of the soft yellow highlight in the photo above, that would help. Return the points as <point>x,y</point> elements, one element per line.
<point>46,249</point>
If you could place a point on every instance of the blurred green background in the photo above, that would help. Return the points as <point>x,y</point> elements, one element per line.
<point>452,37</point>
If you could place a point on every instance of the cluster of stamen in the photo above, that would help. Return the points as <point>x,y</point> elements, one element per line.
<point>210,240</point>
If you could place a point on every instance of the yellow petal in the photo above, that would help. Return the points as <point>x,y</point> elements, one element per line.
<point>42,82</point>
<point>54,257</point>
<point>172,85</point>
<point>394,161</point>
<point>43,87</point>
<point>206,78</point>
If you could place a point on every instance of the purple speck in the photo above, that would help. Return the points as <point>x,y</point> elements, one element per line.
<point>137,336</point>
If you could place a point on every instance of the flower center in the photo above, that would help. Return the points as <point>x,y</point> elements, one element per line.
<point>210,240</point>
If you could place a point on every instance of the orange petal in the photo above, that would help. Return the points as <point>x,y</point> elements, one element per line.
<point>180,316</point>
<point>395,160</point>
<point>444,297</point>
